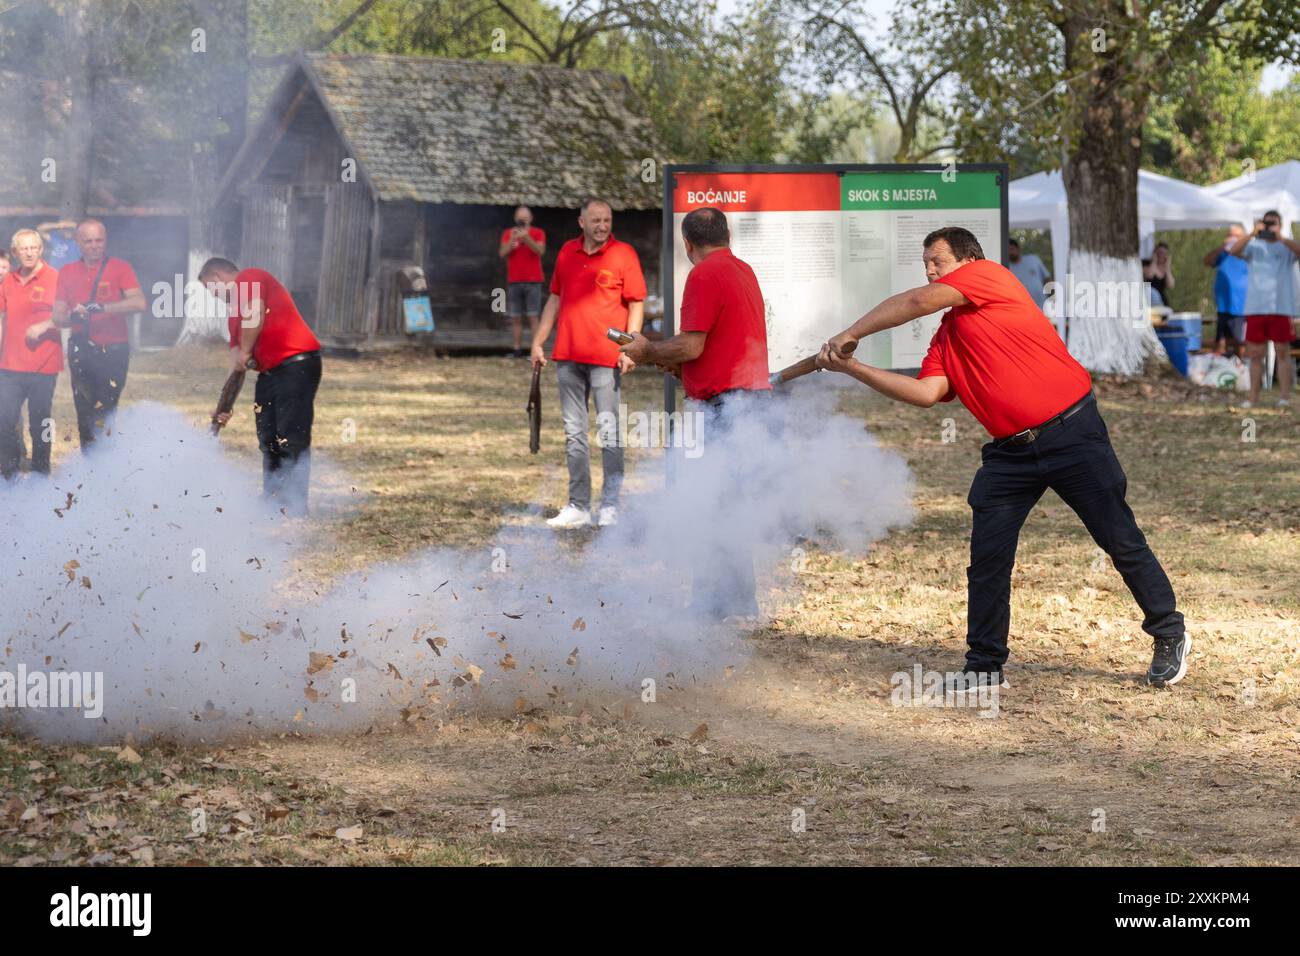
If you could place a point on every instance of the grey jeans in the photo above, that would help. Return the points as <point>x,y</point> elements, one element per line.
<point>577,381</point>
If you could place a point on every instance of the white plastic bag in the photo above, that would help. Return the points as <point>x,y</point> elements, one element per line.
<point>1218,371</point>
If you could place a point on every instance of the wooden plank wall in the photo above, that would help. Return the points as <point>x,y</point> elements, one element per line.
<point>345,260</point>
<point>267,239</point>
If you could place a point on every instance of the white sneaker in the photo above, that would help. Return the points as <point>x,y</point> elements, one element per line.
<point>570,516</point>
<point>1245,403</point>
<point>608,516</point>
<point>1283,403</point>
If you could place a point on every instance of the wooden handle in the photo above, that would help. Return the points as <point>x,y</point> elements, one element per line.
<point>805,366</point>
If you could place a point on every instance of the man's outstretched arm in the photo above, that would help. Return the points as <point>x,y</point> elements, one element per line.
<point>900,308</point>
<point>922,392</point>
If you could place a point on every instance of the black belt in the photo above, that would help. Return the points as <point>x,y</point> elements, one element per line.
<point>1030,434</point>
<point>299,357</point>
<point>717,400</point>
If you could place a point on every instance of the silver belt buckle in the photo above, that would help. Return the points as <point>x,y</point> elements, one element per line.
<point>1019,437</point>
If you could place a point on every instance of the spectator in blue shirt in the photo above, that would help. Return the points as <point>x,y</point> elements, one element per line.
<point>60,242</point>
<point>1229,294</point>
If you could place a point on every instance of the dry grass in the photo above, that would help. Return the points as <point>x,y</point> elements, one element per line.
<point>1201,773</point>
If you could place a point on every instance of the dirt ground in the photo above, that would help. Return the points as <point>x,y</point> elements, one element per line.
<point>803,757</point>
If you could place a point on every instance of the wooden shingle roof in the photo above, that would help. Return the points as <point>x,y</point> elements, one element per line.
<point>467,131</point>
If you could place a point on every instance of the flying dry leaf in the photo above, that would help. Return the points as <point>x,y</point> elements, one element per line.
<point>319,662</point>
<point>699,734</point>
<point>70,569</point>
<point>572,659</point>
<point>127,755</point>
<point>579,625</point>
<point>507,663</point>
<point>348,834</point>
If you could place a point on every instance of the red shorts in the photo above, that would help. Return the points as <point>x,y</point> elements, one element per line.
<point>1268,328</point>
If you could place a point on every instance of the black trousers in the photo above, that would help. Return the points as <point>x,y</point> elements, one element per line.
<point>285,399</point>
<point>37,390</point>
<point>1075,459</point>
<point>98,375</point>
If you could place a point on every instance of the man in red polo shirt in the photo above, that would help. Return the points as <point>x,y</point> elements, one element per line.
<point>523,247</point>
<point>268,333</point>
<point>721,355</point>
<point>31,353</point>
<point>95,296</point>
<point>998,353</point>
<point>596,285</point>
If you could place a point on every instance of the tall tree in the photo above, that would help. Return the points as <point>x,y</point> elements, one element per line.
<point>901,74</point>
<point>73,168</point>
<point>1080,76</point>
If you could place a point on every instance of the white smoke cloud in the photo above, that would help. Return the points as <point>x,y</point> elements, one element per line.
<point>155,562</point>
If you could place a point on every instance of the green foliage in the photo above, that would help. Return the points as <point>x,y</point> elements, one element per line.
<point>1032,71</point>
<point>720,94</point>
<point>1215,117</point>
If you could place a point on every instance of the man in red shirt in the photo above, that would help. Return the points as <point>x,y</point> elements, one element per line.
<point>721,356</point>
<point>596,285</point>
<point>95,296</point>
<point>998,353</point>
<point>269,334</point>
<point>523,247</point>
<point>31,354</point>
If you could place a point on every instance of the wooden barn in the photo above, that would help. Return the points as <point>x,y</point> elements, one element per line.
<point>365,164</point>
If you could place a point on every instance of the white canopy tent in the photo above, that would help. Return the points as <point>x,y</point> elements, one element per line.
<point>1038,202</point>
<point>1275,187</point>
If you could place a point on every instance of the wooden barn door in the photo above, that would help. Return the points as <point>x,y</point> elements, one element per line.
<point>340,301</point>
<point>267,243</point>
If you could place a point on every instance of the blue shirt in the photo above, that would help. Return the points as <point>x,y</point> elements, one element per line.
<point>1270,289</point>
<point>1033,275</point>
<point>60,252</point>
<point>1230,284</point>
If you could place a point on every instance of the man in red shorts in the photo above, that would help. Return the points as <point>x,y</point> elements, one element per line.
<point>1270,301</point>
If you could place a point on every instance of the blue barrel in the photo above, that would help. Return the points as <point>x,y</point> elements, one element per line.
<point>1175,344</point>
<point>1189,323</point>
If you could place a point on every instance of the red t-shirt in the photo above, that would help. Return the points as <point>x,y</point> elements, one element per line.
<point>522,264</point>
<point>594,290</point>
<point>24,304</point>
<point>1002,356</point>
<point>284,333</point>
<point>74,290</point>
<point>723,300</point>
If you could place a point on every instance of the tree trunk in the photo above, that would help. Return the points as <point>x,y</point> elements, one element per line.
<point>220,91</point>
<point>1105,299</point>
<point>73,170</point>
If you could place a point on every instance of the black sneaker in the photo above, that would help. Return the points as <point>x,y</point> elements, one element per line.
<point>1169,663</point>
<point>969,680</point>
